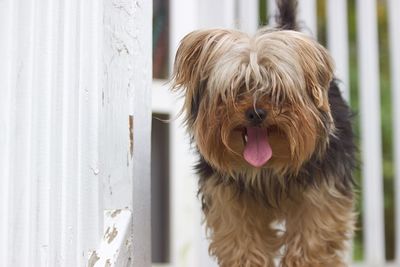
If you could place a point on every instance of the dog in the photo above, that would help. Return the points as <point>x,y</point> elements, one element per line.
<point>275,144</point>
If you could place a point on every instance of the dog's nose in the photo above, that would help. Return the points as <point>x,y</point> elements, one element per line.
<point>256,116</point>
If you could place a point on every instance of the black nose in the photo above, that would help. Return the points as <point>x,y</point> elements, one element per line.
<point>256,116</point>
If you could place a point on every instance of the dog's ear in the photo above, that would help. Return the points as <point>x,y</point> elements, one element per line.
<point>318,69</point>
<point>186,72</point>
<point>194,61</point>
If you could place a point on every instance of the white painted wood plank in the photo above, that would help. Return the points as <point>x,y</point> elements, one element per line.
<point>41,131</point>
<point>394,37</point>
<point>57,165</point>
<point>125,117</point>
<point>272,11</point>
<point>70,116</point>
<point>139,91</point>
<point>7,28</point>
<point>183,229</point>
<point>371,147</point>
<point>115,246</point>
<point>114,151</point>
<point>338,43</point>
<point>89,206</point>
<point>216,14</point>
<point>21,129</point>
<point>248,16</point>
<point>307,16</point>
<point>178,29</point>
<point>228,13</point>
<point>179,236</point>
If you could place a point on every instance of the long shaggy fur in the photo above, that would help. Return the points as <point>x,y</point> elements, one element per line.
<point>307,183</point>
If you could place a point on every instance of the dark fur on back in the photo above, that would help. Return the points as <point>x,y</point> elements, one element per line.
<point>339,159</point>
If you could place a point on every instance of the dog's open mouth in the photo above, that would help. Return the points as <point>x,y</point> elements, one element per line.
<point>257,150</point>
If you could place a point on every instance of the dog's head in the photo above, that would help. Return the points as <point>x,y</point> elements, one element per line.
<point>254,102</point>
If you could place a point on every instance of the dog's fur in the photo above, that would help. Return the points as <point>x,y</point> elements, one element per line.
<point>307,183</point>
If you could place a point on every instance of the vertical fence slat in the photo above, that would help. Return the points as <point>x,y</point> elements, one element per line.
<point>272,9</point>
<point>41,133</point>
<point>57,136</point>
<point>125,118</point>
<point>371,148</point>
<point>338,42</point>
<point>308,16</point>
<point>394,37</point>
<point>181,236</point>
<point>248,15</point>
<point>178,29</point>
<point>21,130</point>
<point>229,13</point>
<point>221,15</point>
<point>70,116</point>
<point>7,28</point>
<point>90,215</point>
<point>139,94</point>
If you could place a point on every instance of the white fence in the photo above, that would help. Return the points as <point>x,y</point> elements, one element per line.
<point>75,79</point>
<point>75,127</point>
<point>187,15</point>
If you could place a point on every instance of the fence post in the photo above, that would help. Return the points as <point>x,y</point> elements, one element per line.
<point>371,147</point>
<point>125,118</point>
<point>394,22</point>
<point>308,17</point>
<point>222,14</point>
<point>7,28</point>
<point>248,16</point>
<point>338,41</point>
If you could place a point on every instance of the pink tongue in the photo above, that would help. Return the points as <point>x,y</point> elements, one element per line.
<point>257,150</point>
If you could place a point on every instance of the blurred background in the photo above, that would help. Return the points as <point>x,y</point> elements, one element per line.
<point>363,37</point>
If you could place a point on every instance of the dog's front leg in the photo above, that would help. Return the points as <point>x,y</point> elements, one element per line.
<point>318,226</point>
<point>239,227</point>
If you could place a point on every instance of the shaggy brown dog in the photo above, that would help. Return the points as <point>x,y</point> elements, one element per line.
<point>275,144</point>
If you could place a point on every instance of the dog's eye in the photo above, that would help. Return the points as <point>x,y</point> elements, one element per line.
<point>241,96</point>
<point>282,109</point>
<point>241,92</point>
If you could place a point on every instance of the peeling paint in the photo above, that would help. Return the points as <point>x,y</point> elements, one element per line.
<point>123,7</point>
<point>131,136</point>
<point>110,189</point>
<point>95,170</point>
<point>128,244</point>
<point>115,213</point>
<point>110,236</point>
<point>93,259</point>
<point>107,233</point>
<point>119,45</point>
<point>138,4</point>
<point>116,245</point>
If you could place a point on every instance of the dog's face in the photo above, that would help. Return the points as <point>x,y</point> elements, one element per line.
<point>255,102</point>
